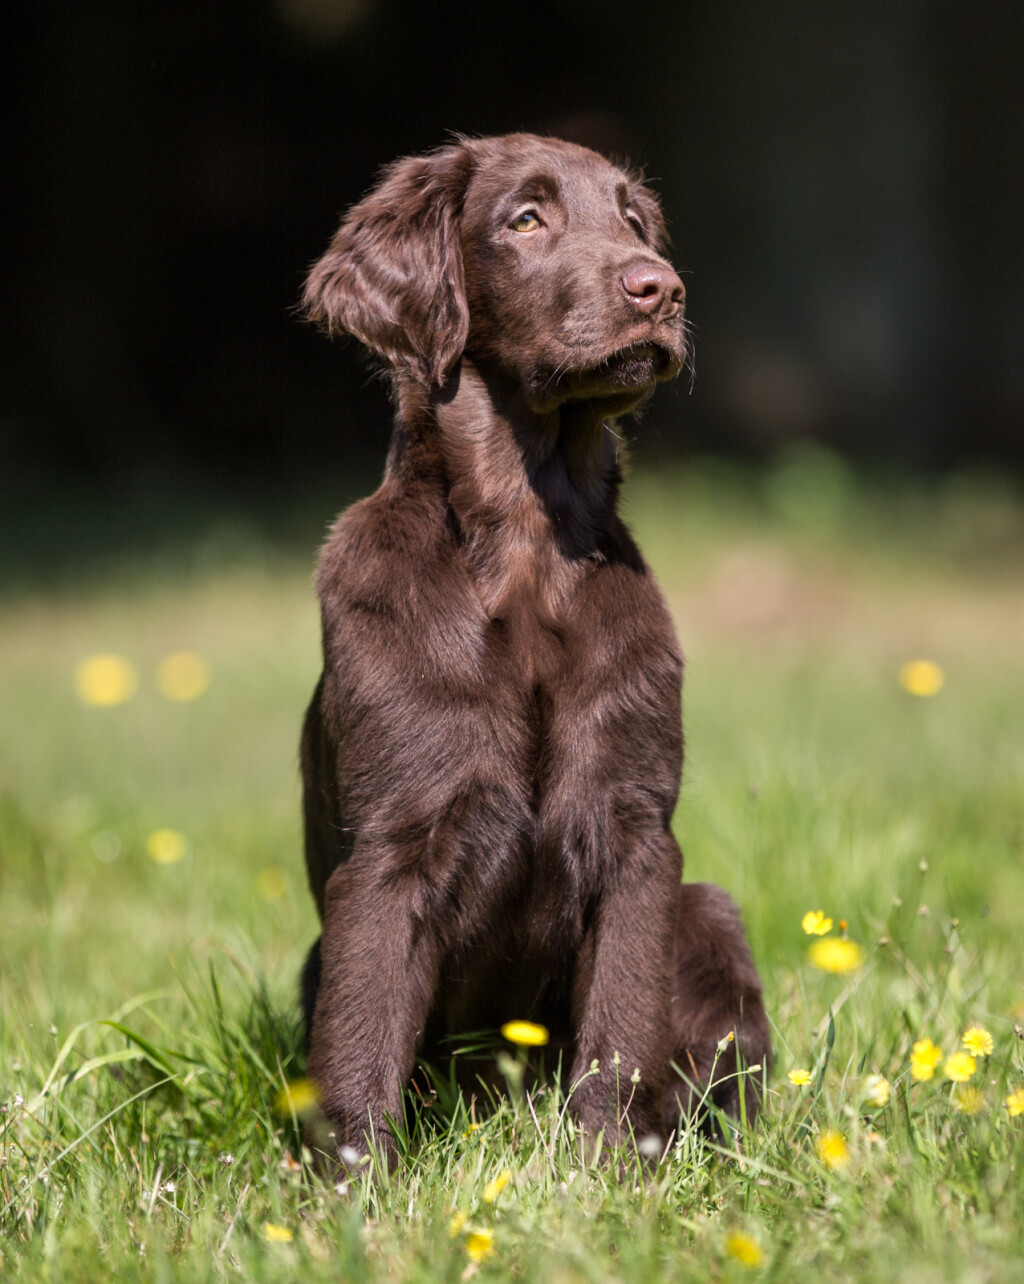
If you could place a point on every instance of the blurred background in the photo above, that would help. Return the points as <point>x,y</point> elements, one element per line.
<point>844,186</point>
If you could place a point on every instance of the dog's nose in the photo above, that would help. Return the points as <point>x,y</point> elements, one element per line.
<point>654,289</point>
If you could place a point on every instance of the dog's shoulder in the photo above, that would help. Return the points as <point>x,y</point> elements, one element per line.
<point>392,556</point>
<point>386,534</point>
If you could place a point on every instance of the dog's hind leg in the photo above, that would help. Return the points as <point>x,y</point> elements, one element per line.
<point>717,991</point>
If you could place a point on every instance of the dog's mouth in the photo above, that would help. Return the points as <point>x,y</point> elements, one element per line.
<point>637,366</point>
<point>626,376</point>
<point>621,379</point>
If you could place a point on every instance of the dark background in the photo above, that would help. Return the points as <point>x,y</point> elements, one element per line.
<point>844,185</point>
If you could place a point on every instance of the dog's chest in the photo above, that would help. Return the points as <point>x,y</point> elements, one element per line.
<point>526,646</point>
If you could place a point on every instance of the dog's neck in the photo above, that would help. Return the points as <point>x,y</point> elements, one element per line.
<point>513,477</point>
<point>503,463</point>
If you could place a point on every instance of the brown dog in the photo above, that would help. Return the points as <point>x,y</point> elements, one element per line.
<point>492,756</point>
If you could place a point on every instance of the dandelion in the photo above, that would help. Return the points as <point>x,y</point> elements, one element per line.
<point>745,1249</point>
<point>968,1099</point>
<point>496,1185</point>
<point>524,1034</point>
<point>959,1066</point>
<point>456,1224</point>
<point>479,1244</point>
<point>978,1041</point>
<point>876,1090</point>
<point>166,846</point>
<point>182,676</point>
<point>104,680</point>
<point>1015,1103</point>
<point>832,1150</point>
<point>296,1098</point>
<point>271,884</point>
<point>922,678</point>
<point>815,923</point>
<point>836,955</point>
<point>924,1057</point>
<point>276,1234</point>
<point>799,1077</point>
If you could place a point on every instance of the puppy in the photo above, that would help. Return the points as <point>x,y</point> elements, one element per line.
<point>492,756</point>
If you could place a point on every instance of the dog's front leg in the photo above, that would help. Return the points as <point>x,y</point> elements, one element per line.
<point>622,995</point>
<point>379,971</point>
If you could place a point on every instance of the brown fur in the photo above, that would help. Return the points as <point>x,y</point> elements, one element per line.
<point>492,756</point>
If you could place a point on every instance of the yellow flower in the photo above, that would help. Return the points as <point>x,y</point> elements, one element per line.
<point>271,884</point>
<point>497,1184</point>
<point>525,1034</point>
<point>276,1234</point>
<point>959,1066</point>
<point>184,675</point>
<point>166,846</point>
<point>799,1077</point>
<point>876,1090</point>
<point>296,1097</point>
<point>836,955</point>
<point>745,1249</point>
<point>1015,1102</point>
<point>922,677</point>
<point>924,1057</point>
<point>456,1224</point>
<point>103,680</point>
<point>815,923</point>
<point>479,1244</point>
<point>832,1149</point>
<point>968,1099</point>
<point>978,1041</point>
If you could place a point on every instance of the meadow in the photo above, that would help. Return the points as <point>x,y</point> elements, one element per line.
<point>154,915</point>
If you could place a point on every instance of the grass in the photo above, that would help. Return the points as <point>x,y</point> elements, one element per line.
<point>147,1012</point>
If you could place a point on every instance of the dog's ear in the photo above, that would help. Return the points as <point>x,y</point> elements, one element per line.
<point>393,274</point>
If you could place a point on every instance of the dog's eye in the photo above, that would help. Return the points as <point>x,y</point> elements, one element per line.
<point>528,221</point>
<point>634,222</point>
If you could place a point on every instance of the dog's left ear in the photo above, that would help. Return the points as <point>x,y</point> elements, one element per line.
<point>393,274</point>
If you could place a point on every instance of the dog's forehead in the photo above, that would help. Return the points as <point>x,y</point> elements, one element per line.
<point>538,168</point>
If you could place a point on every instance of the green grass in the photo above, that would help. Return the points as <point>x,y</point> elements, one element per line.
<point>147,1012</point>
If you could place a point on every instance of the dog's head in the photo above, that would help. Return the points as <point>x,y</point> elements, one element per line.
<point>540,260</point>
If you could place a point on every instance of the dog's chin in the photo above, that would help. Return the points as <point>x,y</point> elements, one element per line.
<point>620,380</point>
<point>616,384</point>
<point>636,368</point>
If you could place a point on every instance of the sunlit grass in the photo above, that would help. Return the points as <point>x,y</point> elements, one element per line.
<point>150,1057</point>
